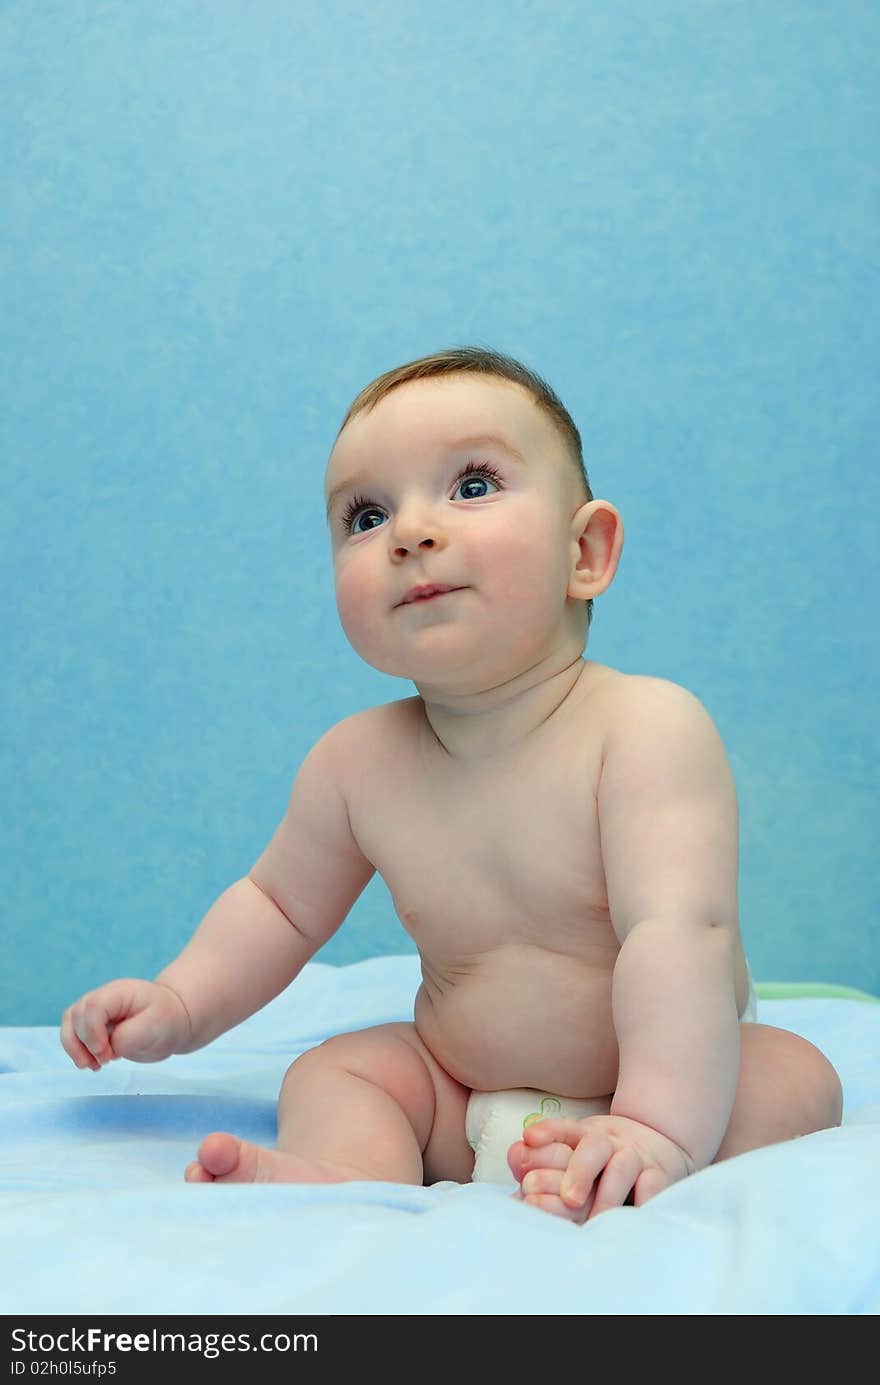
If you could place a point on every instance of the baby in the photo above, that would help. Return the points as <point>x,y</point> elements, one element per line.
<point>560,840</point>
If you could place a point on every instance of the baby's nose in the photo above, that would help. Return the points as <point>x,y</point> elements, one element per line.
<point>416,533</point>
<point>402,549</point>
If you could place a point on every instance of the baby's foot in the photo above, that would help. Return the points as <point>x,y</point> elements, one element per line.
<point>227,1159</point>
<point>539,1171</point>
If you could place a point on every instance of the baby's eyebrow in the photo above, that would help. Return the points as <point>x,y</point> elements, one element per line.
<point>461,445</point>
<point>488,440</point>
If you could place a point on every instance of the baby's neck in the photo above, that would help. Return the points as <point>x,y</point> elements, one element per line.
<point>476,725</point>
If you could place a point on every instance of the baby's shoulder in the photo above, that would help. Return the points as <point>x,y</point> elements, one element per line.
<point>638,699</point>
<point>658,732</point>
<point>372,727</point>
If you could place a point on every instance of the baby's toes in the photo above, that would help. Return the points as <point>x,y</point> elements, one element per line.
<point>517,1157</point>
<point>522,1158</point>
<point>540,1182</point>
<point>555,1156</point>
<point>545,1202</point>
<point>540,1189</point>
<point>197,1173</point>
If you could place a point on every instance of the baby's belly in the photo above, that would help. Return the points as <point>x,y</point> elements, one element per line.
<point>521,1017</point>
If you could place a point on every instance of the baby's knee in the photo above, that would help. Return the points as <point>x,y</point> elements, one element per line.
<point>339,1051</point>
<point>818,1083</point>
<point>827,1089</point>
<point>384,1055</point>
<point>810,1082</point>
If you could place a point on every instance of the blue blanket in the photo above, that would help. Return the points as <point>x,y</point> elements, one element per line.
<point>96,1217</point>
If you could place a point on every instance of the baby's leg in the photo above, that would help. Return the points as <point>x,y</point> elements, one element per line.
<point>786,1088</point>
<point>373,1104</point>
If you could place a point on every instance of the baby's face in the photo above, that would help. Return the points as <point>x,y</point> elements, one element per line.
<point>462,482</point>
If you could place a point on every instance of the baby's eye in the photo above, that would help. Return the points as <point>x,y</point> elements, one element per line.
<point>360,509</point>
<point>474,482</point>
<point>367,520</point>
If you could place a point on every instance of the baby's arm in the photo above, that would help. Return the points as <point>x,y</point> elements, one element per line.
<point>253,941</point>
<point>669,832</point>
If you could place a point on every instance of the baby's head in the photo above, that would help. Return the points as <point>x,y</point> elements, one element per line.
<point>464,469</point>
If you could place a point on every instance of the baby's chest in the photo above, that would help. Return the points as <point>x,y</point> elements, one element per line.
<point>499,852</point>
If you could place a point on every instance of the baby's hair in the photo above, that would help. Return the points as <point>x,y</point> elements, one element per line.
<point>479,360</point>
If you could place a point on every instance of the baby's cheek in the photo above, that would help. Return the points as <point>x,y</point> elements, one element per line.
<point>527,584</point>
<point>358,604</point>
<point>352,602</point>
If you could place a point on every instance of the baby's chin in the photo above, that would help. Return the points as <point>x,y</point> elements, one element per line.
<point>448,658</point>
<point>439,678</point>
<point>434,651</point>
<point>441,670</point>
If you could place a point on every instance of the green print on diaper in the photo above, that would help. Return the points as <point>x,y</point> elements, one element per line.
<point>550,1106</point>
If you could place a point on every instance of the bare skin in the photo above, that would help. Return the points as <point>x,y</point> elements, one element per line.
<point>559,839</point>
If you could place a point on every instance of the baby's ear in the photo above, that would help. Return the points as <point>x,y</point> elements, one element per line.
<point>597,542</point>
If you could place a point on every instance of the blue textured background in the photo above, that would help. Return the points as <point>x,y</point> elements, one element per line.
<point>220,220</point>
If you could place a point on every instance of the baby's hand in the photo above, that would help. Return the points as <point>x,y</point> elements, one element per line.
<point>579,1168</point>
<point>141,1020</point>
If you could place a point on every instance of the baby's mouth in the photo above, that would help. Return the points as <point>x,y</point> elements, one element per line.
<point>428,592</point>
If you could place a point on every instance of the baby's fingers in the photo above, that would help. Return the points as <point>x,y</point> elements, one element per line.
<point>586,1164</point>
<point>75,1047</point>
<point>86,1035</point>
<point>554,1130</point>
<point>651,1182</point>
<point>618,1181</point>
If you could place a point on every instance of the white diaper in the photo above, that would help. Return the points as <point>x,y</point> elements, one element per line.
<point>496,1120</point>
<point>750,1013</point>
